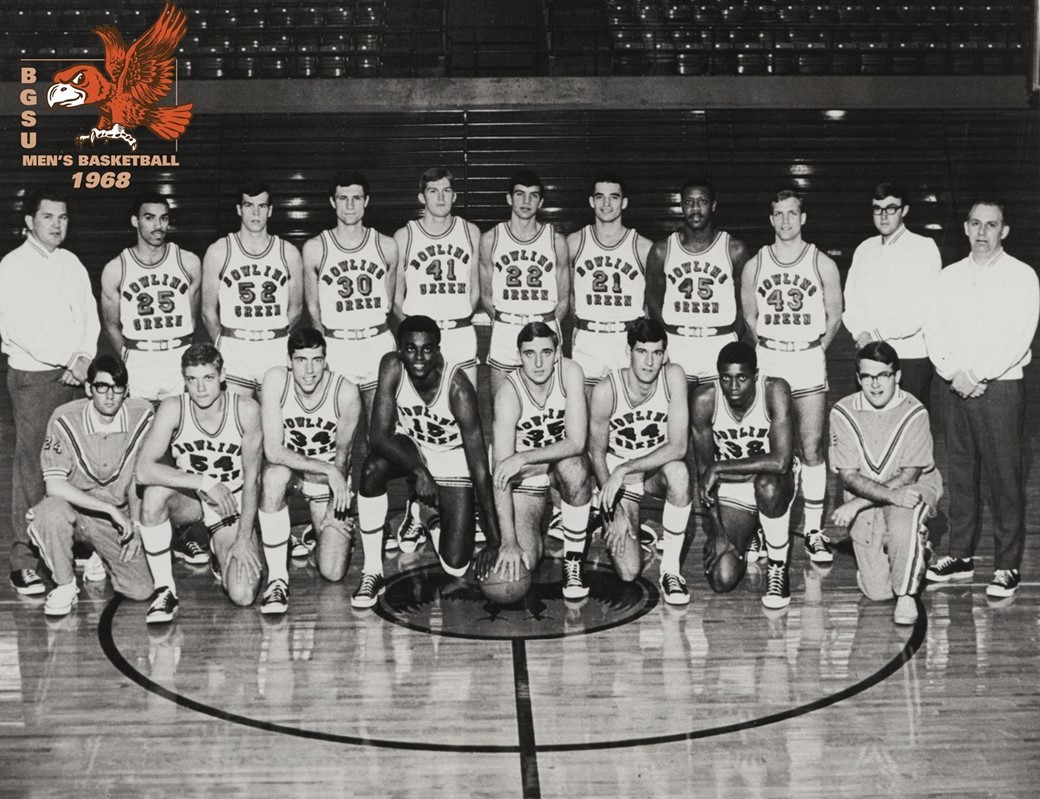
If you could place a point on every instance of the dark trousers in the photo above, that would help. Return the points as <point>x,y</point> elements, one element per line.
<point>985,433</point>
<point>34,396</point>
<point>917,379</point>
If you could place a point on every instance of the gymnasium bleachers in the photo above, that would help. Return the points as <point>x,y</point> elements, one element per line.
<point>499,38</point>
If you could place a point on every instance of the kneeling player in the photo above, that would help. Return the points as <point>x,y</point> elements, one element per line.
<point>743,441</point>
<point>215,439</point>
<point>425,426</point>
<point>309,418</point>
<point>540,431</point>
<point>638,430</point>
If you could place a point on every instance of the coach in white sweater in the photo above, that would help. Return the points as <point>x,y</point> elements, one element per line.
<point>979,334</point>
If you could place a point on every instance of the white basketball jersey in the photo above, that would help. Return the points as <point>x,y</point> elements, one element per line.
<point>699,289</point>
<point>253,292</point>
<point>540,424</point>
<point>637,429</point>
<point>739,438</point>
<point>609,282</point>
<point>352,283</point>
<point>790,296</point>
<point>430,426</point>
<point>154,301</point>
<point>523,273</point>
<point>218,454</point>
<point>310,422</point>
<point>439,271</point>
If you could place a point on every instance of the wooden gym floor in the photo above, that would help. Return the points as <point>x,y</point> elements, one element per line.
<point>437,694</point>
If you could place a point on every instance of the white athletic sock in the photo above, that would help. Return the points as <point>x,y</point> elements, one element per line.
<point>814,491</point>
<point>371,518</point>
<point>274,532</point>
<point>156,540</point>
<point>777,533</point>
<point>575,526</point>
<point>674,519</point>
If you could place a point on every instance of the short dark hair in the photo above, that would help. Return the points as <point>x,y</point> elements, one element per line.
<point>645,330</point>
<point>305,338</point>
<point>202,354</point>
<point>991,201</point>
<point>253,188</point>
<point>609,177</point>
<point>111,365</point>
<point>789,194</point>
<point>433,174</point>
<point>737,352</point>
<point>348,179</point>
<point>148,198</point>
<point>34,200</point>
<point>533,330</point>
<point>525,177</point>
<point>880,351</point>
<point>418,324</point>
<point>698,182</point>
<point>883,190</point>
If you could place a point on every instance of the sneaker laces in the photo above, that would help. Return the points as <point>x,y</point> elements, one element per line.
<point>276,592</point>
<point>28,575</point>
<point>163,601</point>
<point>673,584</point>
<point>815,541</point>
<point>1003,577</point>
<point>775,584</point>
<point>944,563</point>
<point>572,572</point>
<point>368,584</point>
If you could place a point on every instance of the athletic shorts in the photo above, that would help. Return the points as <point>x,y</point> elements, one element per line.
<point>459,345</point>
<point>598,353</point>
<point>154,375</point>
<point>358,361</point>
<point>804,370</point>
<point>317,490</point>
<point>741,495</point>
<point>633,488</point>
<point>246,362</point>
<point>698,356</point>
<point>213,522</point>
<point>503,353</point>
<point>534,480</point>
<point>448,467</point>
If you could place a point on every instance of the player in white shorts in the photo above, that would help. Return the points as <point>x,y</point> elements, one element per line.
<point>252,292</point>
<point>426,427</point>
<point>744,436</point>
<point>309,416</point>
<point>540,433</point>
<point>150,300</point>
<point>791,299</point>
<point>692,284</point>
<point>607,280</point>
<point>638,430</point>
<point>524,273</point>
<point>215,439</point>
<point>350,275</point>
<point>437,271</point>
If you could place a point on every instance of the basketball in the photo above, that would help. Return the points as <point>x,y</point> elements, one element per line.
<point>506,592</point>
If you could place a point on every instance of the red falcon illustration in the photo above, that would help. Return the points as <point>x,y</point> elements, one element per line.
<point>139,76</point>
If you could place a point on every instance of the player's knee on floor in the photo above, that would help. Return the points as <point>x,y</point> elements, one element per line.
<point>241,592</point>
<point>333,554</point>
<point>726,573</point>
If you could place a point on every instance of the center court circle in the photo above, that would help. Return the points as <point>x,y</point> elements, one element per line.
<point>428,600</point>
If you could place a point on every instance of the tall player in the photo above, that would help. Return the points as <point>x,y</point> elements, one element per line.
<point>744,438</point>
<point>215,439</point>
<point>638,432</point>
<point>309,417</point>
<point>252,292</point>
<point>541,422</point>
<point>524,273</point>
<point>350,275</point>
<point>608,282</point>
<point>691,284</point>
<point>150,302</point>
<point>437,272</point>
<point>426,427</point>
<point>791,298</point>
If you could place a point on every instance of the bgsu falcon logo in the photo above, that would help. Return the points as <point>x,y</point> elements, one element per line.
<point>139,76</point>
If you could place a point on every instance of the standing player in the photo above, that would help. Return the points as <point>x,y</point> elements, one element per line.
<point>350,274</point>
<point>638,431</point>
<point>541,422</point>
<point>150,302</point>
<point>524,273</point>
<point>425,426</point>
<point>252,292</point>
<point>437,271</point>
<point>215,439</point>
<point>608,282</point>
<point>309,418</point>
<point>691,284</point>
<point>791,298</point>
<point>744,439</point>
